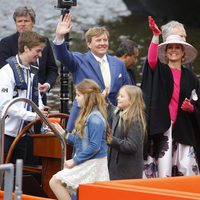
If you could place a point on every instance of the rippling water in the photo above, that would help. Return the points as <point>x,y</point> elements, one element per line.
<point>111,13</point>
<point>86,13</point>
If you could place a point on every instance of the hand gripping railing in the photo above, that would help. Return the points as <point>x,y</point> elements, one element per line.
<point>3,116</point>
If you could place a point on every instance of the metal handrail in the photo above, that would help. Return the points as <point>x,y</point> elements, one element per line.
<point>3,116</point>
<point>18,179</point>
<point>9,177</point>
<point>9,180</point>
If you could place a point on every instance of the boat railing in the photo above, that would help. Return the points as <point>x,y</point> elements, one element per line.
<point>8,181</point>
<point>3,114</point>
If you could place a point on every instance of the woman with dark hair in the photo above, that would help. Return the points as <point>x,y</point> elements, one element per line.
<point>171,94</point>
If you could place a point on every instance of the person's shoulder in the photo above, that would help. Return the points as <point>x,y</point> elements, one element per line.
<point>115,59</point>
<point>82,56</point>
<point>47,41</point>
<point>6,69</point>
<point>13,36</point>
<point>95,113</point>
<point>76,53</point>
<point>188,71</point>
<point>136,126</point>
<point>95,117</point>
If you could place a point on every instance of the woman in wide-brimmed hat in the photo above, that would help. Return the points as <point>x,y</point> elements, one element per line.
<point>171,94</point>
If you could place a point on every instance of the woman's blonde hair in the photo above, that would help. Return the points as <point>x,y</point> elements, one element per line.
<point>136,108</point>
<point>92,97</point>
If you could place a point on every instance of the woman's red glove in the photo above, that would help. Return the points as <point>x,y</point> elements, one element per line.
<point>153,26</point>
<point>187,106</point>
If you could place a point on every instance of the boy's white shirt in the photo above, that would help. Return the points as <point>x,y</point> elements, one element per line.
<point>17,113</point>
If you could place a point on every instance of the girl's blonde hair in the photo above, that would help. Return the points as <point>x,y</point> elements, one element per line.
<point>92,97</point>
<point>136,108</point>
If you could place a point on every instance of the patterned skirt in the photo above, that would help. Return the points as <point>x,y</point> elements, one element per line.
<point>88,172</point>
<point>173,159</point>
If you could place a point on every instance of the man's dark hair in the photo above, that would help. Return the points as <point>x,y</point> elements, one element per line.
<point>126,46</point>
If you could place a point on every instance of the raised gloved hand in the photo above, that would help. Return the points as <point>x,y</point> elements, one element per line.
<point>187,106</point>
<point>153,26</point>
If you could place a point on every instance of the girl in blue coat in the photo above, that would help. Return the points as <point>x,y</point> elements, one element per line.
<point>89,141</point>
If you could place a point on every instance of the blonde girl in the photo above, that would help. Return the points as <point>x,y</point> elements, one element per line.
<point>125,157</point>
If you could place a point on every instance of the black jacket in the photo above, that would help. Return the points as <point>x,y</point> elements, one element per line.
<point>157,86</point>
<point>125,155</point>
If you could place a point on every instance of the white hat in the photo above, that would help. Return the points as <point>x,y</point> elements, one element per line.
<point>190,51</point>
